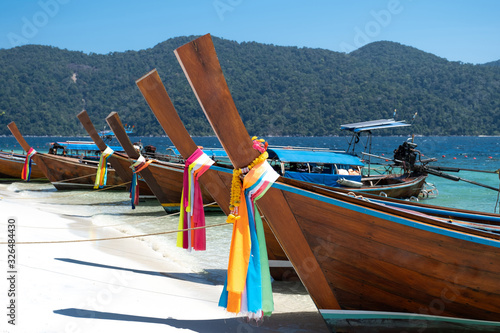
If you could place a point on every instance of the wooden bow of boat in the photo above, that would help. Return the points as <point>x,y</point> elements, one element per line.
<point>124,173</point>
<point>199,61</point>
<point>216,182</point>
<point>89,127</point>
<point>19,137</point>
<point>116,125</point>
<point>211,90</point>
<point>357,255</point>
<point>12,165</point>
<point>26,147</point>
<point>156,96</point>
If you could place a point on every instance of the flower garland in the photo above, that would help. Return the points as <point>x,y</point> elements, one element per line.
<point>102,169</point>
<point>248,284</point>
<point>234,202</point>
<point>26,172</point>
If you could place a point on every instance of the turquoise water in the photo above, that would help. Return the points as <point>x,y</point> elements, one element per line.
<point>479,153</point>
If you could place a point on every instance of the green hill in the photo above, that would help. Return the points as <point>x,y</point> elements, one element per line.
<point>493,63</point>
<point>278,90</point>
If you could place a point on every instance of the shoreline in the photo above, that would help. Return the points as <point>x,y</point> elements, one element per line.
<point>120,284</point>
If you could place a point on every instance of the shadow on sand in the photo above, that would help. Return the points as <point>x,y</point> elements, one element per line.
<point>282,322</point>
<point>202,278</point>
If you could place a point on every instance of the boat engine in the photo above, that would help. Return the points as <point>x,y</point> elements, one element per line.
<point>406,155</point>
<point>150,151</point>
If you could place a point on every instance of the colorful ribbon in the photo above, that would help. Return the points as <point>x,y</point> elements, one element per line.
<point>136,167</point>
<point>26,172</point>
<point>248,284</point>
<point>192,214</point>
<point>102,169</point>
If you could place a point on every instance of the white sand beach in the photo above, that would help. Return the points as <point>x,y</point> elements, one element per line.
<point>116,285</point>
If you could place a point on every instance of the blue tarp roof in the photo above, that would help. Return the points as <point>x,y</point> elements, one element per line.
<point>374,124</point>
<point>111,133</point>
<point>309,156</point>
<point>85,146</point>
<point>217,152</point>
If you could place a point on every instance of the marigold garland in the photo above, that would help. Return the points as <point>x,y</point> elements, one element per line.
<point>234,203</point>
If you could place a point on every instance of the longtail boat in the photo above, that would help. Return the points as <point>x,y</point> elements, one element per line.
<point>67,173</point>
<point>339,169</point>
<point>359,260</point>
<point>404,177</point>
<point>164,178</point>
<point>11,167</point>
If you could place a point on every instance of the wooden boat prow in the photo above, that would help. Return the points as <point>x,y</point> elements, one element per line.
<point>165,179</point>
<point>198,59</point>
<point>11,166</point>
<point>120,169</point>
<point>354,256</point>
<point>216,182</point>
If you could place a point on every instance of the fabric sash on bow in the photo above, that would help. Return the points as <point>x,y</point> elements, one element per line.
<point>102,169</point>
<point>26,172</point>
<point>248,284</point>
<point>139,165</point>
<point>192,214</point>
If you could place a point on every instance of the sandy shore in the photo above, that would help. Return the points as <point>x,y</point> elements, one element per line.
<point>117,285</point>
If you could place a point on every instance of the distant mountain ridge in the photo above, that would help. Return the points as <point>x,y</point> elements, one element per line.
<point>493,63</point>
<point>278,90</point>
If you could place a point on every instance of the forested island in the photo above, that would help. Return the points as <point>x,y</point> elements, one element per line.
<point>279,91</point>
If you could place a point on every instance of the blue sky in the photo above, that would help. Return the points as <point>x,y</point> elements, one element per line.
<point>459,30</point>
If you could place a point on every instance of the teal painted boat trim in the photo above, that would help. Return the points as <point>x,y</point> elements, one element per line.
<point>353,314</point>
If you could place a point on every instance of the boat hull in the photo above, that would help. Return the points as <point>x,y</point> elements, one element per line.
<point>169,178</point>
<point>358,255</point>
<point>70,174</point>
<point>11,166</point>
<point>379,261</point>
<point>400,187</point>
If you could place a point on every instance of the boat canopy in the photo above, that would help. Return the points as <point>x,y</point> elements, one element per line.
<point>374,124</point>
<point>211,152</point>
<point>111,133</point>
<point>310,156</point>
<point>82,145</point>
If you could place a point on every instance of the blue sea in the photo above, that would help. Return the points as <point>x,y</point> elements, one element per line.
<point>112,209</point>
<point>478,153</point>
